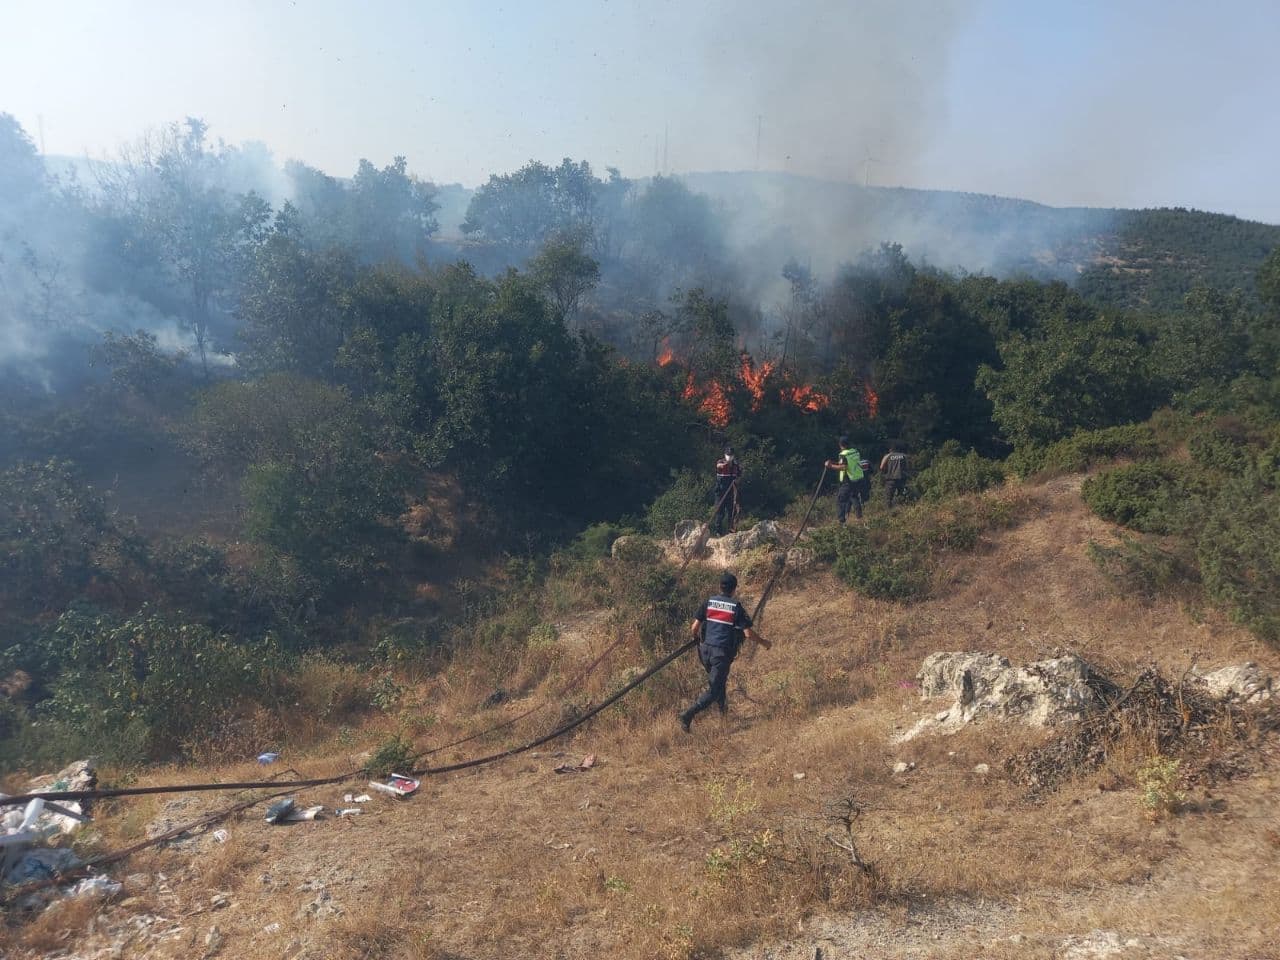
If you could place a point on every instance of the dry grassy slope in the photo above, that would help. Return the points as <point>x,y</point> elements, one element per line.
<point>514,861</point>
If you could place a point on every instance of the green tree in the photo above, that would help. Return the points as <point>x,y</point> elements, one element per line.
<point>167,196</point>
<point>524,208</point>
<point>1069,375</point>
<point>565,270</point>
<point>321,494</point>
<point>296,308</point>
<point>378,215</point>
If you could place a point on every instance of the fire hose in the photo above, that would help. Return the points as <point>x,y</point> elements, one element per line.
<point>289,786</point>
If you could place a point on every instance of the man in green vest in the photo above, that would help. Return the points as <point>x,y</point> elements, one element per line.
<point>852,480</point>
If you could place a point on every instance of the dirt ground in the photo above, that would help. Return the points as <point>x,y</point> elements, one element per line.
<point>718,844</point>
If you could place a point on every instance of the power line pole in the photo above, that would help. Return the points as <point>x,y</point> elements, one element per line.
<point>759,121</point>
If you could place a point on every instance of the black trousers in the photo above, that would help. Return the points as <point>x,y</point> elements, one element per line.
<point>851,493</point>
<point>728,506</point>
<point>716,661</point>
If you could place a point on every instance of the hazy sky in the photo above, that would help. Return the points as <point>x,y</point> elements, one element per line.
<point>1117,102</point>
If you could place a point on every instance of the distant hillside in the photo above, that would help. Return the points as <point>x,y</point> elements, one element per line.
<point>1141,259</point>
<point>1151,258</point>
<point>1134,258</point>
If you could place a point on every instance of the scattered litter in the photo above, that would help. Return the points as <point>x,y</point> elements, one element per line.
<point>396,785</point>
<point>903,767</point>
<point>587,763</point>
<point>221,835</point>
<point>311,813</point>
<point>271,928</point>
<point>266,758</point>
<point>219,901</point>
<point>95,888</point>
<point>31,866</point>
<point>353,798</point>
<point>279,811</point>
<point>797,776</point>
<point>81,775</point>
<point>982,769</point>
<point>349,811</point>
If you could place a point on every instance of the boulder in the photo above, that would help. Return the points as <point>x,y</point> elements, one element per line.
<point>943,674</point>
<point>983,685</point>
<point>726,550</point>
<point>1244,682</point>
<point>690,538</point>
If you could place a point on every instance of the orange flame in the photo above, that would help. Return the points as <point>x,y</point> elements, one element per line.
<point>806,398</point>
<point>754,379</point>
<point>667,354</point>
<point>873,401</point>
<point>712,400</point>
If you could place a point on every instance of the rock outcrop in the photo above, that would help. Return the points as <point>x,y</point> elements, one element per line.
<point>1243,682</point>
<point>727,550</point>
<point>983,685</point>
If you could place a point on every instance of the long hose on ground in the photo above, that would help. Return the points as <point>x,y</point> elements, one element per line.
<point>290,786</point>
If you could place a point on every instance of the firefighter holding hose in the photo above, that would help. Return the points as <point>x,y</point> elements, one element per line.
<point>721,625</point>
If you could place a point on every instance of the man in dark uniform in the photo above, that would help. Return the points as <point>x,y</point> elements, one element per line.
<point>720,627</point>
<point>728,476</point>
<point>893,470</point>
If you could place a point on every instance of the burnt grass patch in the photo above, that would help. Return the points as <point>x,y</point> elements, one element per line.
<point>1215,739</point>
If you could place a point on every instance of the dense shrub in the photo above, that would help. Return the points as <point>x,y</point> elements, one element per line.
<point>59,540</point>
<point>952,476</point>
<point>894,556</point>
<point>1150,496</point>
<point>1086,449</point>
<point>139,687</point>
<point>1223,511</point>
<point>690,497</point>
<point>593,543</point>
<point>1222,446</point>
<point>1238,550</point>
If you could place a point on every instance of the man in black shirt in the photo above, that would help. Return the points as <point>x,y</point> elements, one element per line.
<point>719,626</point>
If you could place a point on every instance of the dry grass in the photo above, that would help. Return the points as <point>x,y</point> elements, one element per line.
<point>685,846</point>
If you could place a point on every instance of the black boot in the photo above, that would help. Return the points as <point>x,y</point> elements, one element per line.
<point>686,722</point>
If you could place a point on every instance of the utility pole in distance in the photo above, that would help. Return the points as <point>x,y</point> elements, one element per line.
<point>866,169</point>
<point>759,122</point>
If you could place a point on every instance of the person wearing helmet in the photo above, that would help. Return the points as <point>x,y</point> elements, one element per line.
<point>728,475</point>
<point>854,485</point>
<point>720,627</point>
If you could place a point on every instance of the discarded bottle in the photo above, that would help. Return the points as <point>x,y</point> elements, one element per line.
<point>266,758</point>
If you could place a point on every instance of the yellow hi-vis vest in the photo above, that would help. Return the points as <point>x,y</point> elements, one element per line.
<point>852,461</point>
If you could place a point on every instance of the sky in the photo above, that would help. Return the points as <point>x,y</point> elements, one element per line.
<point>1094,102</point>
